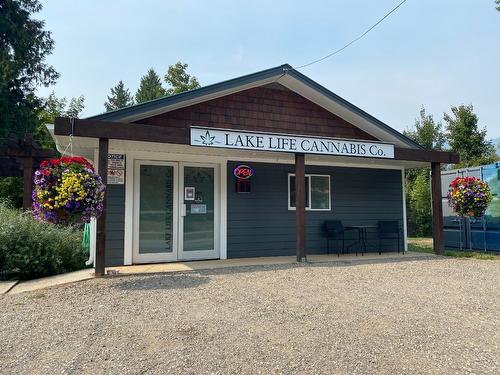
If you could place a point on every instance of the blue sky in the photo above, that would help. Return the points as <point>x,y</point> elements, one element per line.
<point>431,53</point>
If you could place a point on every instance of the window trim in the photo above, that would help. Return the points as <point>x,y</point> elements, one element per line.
<point>308,208</point>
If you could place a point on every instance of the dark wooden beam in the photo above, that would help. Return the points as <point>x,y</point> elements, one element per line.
<point>180,135</point>
<point>120,130</point>
<point>100,256</point>
<point>409,154</point>
<point>27,182</point>
<point>300,206</point>
<point>437,209</point>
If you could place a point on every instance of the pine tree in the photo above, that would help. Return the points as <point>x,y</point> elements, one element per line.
<point>120,97</point>
<point>150,87</point>
<point>24,48</point>
<point>179,80</point>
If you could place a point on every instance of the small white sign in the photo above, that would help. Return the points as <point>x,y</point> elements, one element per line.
<point>116,169</point>
<point>189,193</point>
<point>206,137</point>
<point>116,177</point>
<point>198,209</point>
<point>116,161</point>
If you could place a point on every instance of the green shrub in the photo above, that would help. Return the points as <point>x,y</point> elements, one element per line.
<point>11,190</point>
<point>30,249</point>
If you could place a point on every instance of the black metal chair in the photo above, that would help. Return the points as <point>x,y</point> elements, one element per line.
<point>334,231</point>
<point>389,230</point>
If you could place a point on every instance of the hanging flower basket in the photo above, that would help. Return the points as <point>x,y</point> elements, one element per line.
<point>469,196</point>
<point>67,191</point>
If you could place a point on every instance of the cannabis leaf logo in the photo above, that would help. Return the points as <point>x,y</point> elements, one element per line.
<point>207,139</point>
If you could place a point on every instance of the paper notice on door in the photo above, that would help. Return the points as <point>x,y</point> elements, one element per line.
<point>197,209</point>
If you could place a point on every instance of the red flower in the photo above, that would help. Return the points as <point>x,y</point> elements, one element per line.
<point>45,172</point>
<point>67,160</point>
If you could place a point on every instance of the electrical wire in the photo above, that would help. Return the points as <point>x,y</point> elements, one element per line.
<point>354,40</point>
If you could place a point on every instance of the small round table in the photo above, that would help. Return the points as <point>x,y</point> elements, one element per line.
<point>362,229</point>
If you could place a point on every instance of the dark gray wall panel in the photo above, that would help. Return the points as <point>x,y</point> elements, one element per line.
<point>259,223</point>
<point>115,224</point>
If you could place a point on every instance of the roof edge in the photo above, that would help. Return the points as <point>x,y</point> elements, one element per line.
<point>281,70</point>
<point>166,100</point>
<point>313,84</point>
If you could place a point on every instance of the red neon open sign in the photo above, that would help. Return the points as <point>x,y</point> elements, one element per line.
<point>243,172</point>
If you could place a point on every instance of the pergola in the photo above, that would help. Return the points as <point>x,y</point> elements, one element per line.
<point>106,130</point>
<point>18,157</point>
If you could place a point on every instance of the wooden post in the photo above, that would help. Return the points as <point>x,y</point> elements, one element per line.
<point>300,206</point>
<point>27,182</point>
<point>100,258</point>
<point>437,209</point>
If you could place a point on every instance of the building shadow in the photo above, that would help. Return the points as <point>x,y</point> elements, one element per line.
<point>159,281</point>
<point>315,264</point>
<point>195,278</point>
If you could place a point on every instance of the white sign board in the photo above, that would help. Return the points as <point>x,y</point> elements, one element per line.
<point>116,161</point>
<point>206,137</point>
<point>116,169</point>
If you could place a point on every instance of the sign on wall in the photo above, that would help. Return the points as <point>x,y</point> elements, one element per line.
<point>116,169</point>
<point>206,137</point>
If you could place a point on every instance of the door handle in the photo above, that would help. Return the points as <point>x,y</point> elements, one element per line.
<point>183,210</point>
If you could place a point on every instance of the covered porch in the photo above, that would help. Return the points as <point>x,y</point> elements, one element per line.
<point>181,153</point>
<point>87,141</point>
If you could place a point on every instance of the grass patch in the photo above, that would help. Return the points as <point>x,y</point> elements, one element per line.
<point>424,245</point>
<point>470,254</point>
<point>420,245</point>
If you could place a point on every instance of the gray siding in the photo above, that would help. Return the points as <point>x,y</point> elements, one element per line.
<point>115,224</point>
<point>259,223</point>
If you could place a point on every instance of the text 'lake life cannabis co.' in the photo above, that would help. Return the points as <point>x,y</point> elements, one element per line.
<point>286,143</point>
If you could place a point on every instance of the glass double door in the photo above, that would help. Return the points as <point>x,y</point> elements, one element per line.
<point>177,211</point>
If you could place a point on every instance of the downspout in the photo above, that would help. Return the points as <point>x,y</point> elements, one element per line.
<point>90,261</point>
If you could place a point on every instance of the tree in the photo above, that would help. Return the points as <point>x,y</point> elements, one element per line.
<point>75,106</point>
<point>120,97</point>
<point>465,137</point>
<point>497,2</point>
<point>179,80</point>
<point>24,47</point>
<point>427,133</point>
<point>54,107</point>
<point>150,87</point>
<point>419,202</point>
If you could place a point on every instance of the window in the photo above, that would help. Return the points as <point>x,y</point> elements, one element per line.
<point>317,192</point>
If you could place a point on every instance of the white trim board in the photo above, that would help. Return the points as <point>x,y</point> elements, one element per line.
<point>405,220</point>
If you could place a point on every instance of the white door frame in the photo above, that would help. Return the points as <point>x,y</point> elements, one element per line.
<point>202,254</point>
<point>161,256</point>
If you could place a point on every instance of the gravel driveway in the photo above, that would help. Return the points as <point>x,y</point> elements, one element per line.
<point>435,316</point>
